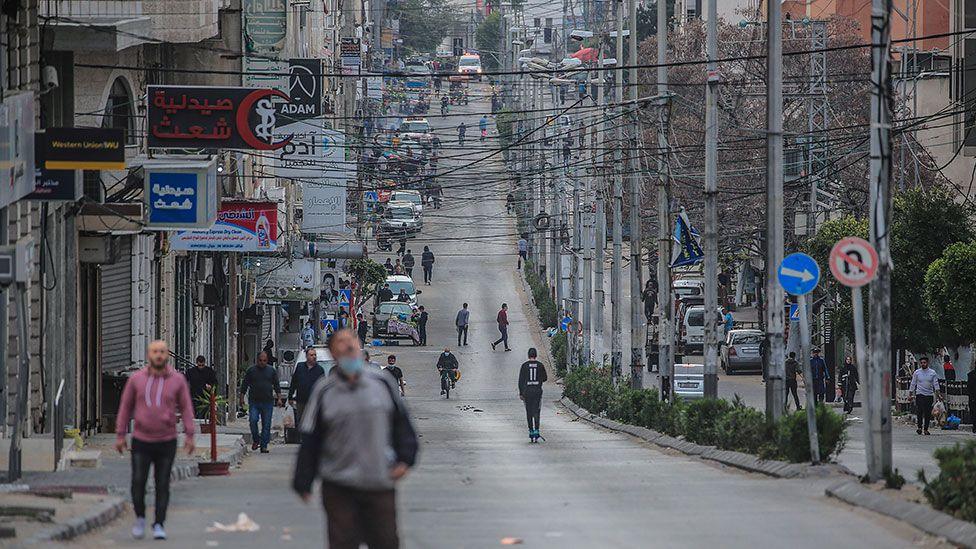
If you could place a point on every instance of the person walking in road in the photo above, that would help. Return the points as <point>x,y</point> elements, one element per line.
<point>948,370</point>
<point>462,129</point>
<point>502,319</point>
<point>422,318</point>
<point>395,371</point>
<point>849,381</point>
<point>523,251</point>
<point>408,263</point>
<point>362,330</point>
<point>358,439</point>
<point>792,367</point>
<point>260,385</point>
<point>925,388</point>
<point>200,378</point>
<point>821,376</point>
<point>152,397</point>
<point>461,322</point>
<point>427,262</point>
<point>531,377</point>
<point>483,126</point>
<point>302,381</point>
<point>402,248</point>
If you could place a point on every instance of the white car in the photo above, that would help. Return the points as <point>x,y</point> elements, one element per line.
<point>689,381</point>
<point>470,65</point>
<point>403,282</point>
<point>412,197</point>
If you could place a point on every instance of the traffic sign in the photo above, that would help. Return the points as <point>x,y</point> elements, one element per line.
<point>344,297</point>
<point>794,312</point>
<point>371,196</point>
<point>853,262</point>
<point>564,323</point>
<point>798,274</point>
<point>330,325</point>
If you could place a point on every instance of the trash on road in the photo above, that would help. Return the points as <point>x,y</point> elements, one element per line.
<point>511,541</point>
<point>243,524</point>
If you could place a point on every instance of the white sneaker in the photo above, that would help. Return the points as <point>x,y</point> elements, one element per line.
<point>139,528</point>
<point>158,532</point>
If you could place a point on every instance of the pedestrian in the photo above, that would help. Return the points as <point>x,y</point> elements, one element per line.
<point>531,377</point>
<point>925,389</point>
<point>971,388</point>
<point>308,335</point>
<point>398,268</point>
<point>152,397</point>
<point>269,348</point>
<point>483,126</point>
<point>649,297</point>
<point>389,266</point>
<point>502,319</point>
<point>728,319</point>
<point>395,371</point>
<point>422,318</point>
<point>261,387</point>
<point>403,244</point>
<point>821,376</point>
<point>357,437</point>
<point>792,367</point>
<point>200,378</point>
<point>385,293</point>
<point>523,251</point>
<point>461,323</point>
<point>362,328</point>
<point>408,263</point>
<point>403,296</point>
<point>849,381</point>
<point>302,382</point>
<point>427,262</point>
<point>948,370</point>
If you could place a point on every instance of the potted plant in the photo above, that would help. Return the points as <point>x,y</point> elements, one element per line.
<point>208,401</point>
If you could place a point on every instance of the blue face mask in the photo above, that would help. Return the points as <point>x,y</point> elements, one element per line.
<point>351,366</point>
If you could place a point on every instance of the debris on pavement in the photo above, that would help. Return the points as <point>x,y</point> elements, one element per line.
<point>511,541</point>
<point>243,524</point>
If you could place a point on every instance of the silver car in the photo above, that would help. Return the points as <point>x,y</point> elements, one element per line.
<point>399,218</point>
<point>689,381</point>
<point>740,351</point>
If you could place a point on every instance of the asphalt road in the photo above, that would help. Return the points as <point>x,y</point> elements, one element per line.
<point>478,479</point>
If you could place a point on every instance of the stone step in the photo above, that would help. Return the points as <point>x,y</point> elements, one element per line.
<point>84,459</point>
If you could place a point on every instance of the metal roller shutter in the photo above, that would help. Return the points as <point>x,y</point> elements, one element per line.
<point>116,310</point>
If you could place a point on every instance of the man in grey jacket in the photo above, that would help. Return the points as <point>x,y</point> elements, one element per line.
<point>461,321</point>
<point>358,438</point>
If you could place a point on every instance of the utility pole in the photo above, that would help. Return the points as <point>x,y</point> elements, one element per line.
<point>775,386</point>
<point>616,274</point>
<point>600,235</point>
<point>587,237</point>
<point>664,294</point>
<point>634,173</point>
<point>711,204</point>
<point>877,392</point>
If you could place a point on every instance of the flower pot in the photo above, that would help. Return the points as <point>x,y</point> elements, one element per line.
<point>214,468</point>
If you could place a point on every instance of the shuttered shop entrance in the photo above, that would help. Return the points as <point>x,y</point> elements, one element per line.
<point>116,310</point>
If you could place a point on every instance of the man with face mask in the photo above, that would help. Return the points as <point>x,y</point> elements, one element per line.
<point>447,366</point>
<point>358,438</point>
<point>152,397</point>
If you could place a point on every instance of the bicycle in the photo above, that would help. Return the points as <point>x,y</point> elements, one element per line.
<point>448,380</point>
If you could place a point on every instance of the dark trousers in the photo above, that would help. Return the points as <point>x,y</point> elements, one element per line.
<point>923,408</point>
<point>522,256</point>
<point>950,375</point>
<point>791,389</point>
<point>409,271</point>
<point>298,410</point>
<point>462,330</point>
<point>422,330</point>
<point>504,339</point>
<point>160,455</point>
<point>428,273</point>
<point>533,406</point>
<point>356,516</point>
<point>849,390</point>
<point>262,411</point>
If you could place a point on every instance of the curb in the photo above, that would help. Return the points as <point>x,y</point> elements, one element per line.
<point>101,515</point>
<point>747,462</point>
<point>924,518</point>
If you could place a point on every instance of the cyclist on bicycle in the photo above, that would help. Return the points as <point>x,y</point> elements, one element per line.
<point>447,366</point>
<point>462,129</point>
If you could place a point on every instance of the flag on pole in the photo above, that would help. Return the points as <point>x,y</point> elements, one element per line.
<point>687,249</point>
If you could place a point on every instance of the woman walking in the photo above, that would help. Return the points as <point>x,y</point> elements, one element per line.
<point>849,381</point>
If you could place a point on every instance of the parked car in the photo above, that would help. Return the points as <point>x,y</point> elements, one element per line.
<point>412,197</point>
<point>398,282</point>
<point>386,311</point>
<point>400,217</point>
<point>741,351</point>
<point>291,359</point>
<point>693,328</point>
<point>689,381</point>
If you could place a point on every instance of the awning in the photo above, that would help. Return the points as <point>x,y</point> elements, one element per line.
<point>586,55</point>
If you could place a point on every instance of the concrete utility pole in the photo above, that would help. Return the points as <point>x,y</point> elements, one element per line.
<point>587,237</point>
<point>634,173</point>
<point>664,294</point>
<point>877,392</point>
<point>775,386</point>
<point>600,234</point>
<point>616,274</point>
<point>711,204</point>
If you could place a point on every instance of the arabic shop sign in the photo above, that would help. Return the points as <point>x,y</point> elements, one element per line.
<point>265,25</point>
<point>304,90</point>
<point>240,227</point>
<point>181,195</point>
<point>286,279</point>
<point>53,185</point>
<point>192,117</point>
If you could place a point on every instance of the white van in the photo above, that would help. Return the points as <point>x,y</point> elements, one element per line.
<point>693,329</point>
<point>469,64</point>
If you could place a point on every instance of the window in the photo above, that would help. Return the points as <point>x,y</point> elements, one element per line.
<point>119,112</point>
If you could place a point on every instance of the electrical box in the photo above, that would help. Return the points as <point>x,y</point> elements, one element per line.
<point>17,262</point>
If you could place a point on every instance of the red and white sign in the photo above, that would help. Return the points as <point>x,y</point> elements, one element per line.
<point>853,262</point>
<point>240,227</point>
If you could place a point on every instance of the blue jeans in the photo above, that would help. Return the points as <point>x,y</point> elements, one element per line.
<point>262,410</point>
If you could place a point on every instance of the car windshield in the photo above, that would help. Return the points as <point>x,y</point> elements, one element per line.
<point>469,62</point>
<point>739,339</point>
<point>687,290</point>
<point>399,213</point>
<point>415,127</point>
<point>406,285</point>
<point>407,197</point>
<point>395,308</point>
<point>696,317</point>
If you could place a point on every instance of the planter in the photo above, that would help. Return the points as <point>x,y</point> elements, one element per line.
<point>214,468</point>
<point>207,428</point>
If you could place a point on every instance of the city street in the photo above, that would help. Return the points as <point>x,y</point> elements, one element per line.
<point>478,480</point>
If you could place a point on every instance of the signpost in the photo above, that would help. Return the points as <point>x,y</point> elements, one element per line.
<point>799,274</point>
<point>854,263</point>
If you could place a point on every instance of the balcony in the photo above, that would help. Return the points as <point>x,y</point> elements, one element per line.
<point>96,25</point>
<point>184,21</point>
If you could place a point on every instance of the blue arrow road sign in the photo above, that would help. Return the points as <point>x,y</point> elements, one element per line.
<point>794,312</point>
<point>798,274</point>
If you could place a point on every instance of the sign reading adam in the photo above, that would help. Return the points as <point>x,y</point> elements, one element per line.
<point>304,91</point>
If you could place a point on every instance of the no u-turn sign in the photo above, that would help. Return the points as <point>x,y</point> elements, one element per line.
<point>853,262</point>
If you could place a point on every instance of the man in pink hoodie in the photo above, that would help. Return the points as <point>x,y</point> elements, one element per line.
<point>152,397</point>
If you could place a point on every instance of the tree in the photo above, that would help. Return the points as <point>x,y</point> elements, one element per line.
<point>818,247</point>
<point>647,19</point>
<point>425,23</point>
<point>489,40</point>
<point>369,275</point>
<point>950,290</point>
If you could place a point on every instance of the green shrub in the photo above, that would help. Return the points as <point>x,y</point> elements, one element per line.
<point>793,439</point>
<point>651,408</point>
<point>589,387</point>
<point>559,353</point>
<point>670,420</point>
<point>744,429</point>
<point>625,406</point>
<point>954,490</point>
<point>701,419</point>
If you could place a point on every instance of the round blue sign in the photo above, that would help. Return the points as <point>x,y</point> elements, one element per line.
<point>798,274</point>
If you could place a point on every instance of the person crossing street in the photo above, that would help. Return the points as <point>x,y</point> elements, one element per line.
<point>461,322</point>
<point>427,262</point>
<point>408,263</point>
<point>531,377</point>
<point>260,386</point>
<point>502,319</point>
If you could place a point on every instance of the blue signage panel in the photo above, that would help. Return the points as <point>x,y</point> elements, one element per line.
<point>345,296</point>
<point>798,274</point>
<point>173,198</point>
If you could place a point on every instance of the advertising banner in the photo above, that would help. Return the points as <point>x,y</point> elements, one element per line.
<point>313,152</point>
<point>84,149</point>
<point>260,72</point>
<point>53,185</point>
<point>284,279</point>
<point>240,227</point>
<point>304,91</point>
<point>350,55</point>
<point>16,147</point>
<point>181,195</point>
<point>265,25</point>
<point>208,117</point>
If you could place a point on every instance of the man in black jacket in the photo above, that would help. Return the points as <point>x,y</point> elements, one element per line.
<point>422,318</point>
<point>408,263</point>
<point>447,366</point>
<point>260,385</point>
<point>531,377</point>
<point>199,378</point>
<point>427,262</point>
<point>302,381</point>
<point>384,294</point>
<point>357,437</point>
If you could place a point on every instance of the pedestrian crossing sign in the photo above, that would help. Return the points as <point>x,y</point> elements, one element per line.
<point>344,297</point>
<point>794,312</point>
<point>371,196</point>
<point>330,325</point>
